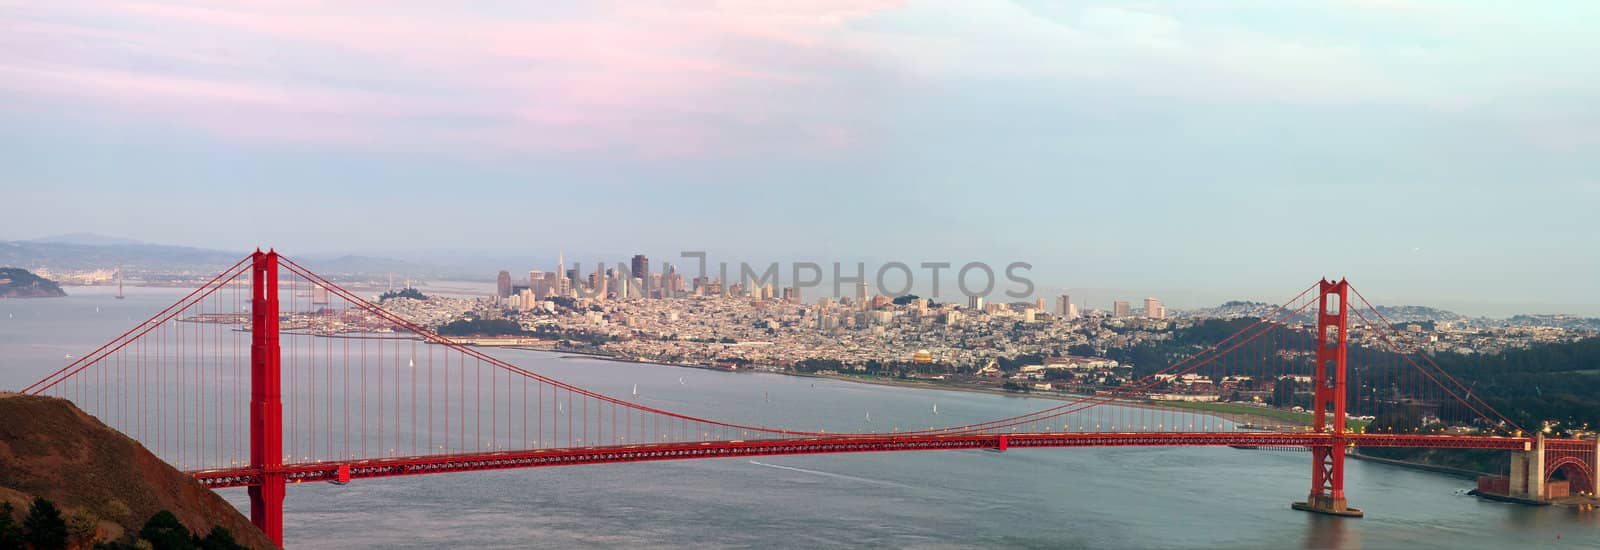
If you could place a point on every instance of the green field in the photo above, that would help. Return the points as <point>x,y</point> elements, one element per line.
<point>1291,417</point>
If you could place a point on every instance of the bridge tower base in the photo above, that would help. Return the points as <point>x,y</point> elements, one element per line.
<point>1328,505</point>
<point>1527,471</point>
<point>1328,394</point>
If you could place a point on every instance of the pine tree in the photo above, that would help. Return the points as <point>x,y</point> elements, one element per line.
<point>165,532</point>
<point>220,538</point>
<point>44,529</point>
<point>10,534</point>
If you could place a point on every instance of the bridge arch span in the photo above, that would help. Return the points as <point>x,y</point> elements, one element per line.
<point>1578,472</point>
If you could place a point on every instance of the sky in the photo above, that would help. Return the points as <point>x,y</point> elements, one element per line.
<point>1440,153</point>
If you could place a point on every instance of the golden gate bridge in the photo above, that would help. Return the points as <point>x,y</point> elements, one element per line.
<point>240,384</point>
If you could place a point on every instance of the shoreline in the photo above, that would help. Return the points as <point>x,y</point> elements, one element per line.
<point>1244,420</point>
<point>1255,422</point>
<point>1423,466</point>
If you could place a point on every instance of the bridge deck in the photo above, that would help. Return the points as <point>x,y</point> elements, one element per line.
<point>435,464</point>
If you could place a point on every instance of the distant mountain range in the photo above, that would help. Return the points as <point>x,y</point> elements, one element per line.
<point>80,252</point>
<point>1401,315</point>
<point>87,239</point>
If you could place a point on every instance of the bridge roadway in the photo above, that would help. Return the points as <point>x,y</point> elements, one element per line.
<point>844,443</point>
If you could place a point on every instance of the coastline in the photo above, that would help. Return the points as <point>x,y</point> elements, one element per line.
<point>1244,420</point>
<point>1423,466</point>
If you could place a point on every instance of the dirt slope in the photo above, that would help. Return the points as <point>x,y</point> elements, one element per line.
<point>49,448</point>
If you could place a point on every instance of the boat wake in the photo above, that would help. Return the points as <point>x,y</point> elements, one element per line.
<point>832,475</point>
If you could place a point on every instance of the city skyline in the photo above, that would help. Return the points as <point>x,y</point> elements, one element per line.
<point>471,266</point>
<point>1192,148</point>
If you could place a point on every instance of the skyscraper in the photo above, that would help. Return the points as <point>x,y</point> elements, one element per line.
<point>641,269</point>
<point>536,283</point>
<point>1120,309</point>
<point>1153,309</point>
<point>861,295</point>
<point>1064,306</point>
<point>503,284</point>
<point>561,274</point>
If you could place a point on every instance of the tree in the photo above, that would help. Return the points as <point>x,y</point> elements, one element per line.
<point>220,538</point>
<point>83,528</point>
<point>165,532</point>
<point>44,529</point>
<point>10,534</point>
<point>1283,393</point>
<point>402,293</point>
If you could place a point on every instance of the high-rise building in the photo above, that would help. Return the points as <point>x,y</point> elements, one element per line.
<point>1120,309</point>
<point>536,283</point>
<point>641,269</point>
<point>975,302</point>
<point>1153,309</point>
<point>791,294</point>
<point>1038,305</point>
<point>1064,306</point>
<point>503,284</point>
<point>861,294</point>
<point>561,274</point>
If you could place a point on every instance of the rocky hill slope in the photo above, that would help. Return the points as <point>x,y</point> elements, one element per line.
<point>51,449</point>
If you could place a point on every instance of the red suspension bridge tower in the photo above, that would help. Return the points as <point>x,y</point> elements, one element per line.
<point>1328,395</point>
<point>266,400</point>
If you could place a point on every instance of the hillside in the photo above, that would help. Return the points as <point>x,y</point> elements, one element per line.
<point>50,449</point>
<point>20,283</point>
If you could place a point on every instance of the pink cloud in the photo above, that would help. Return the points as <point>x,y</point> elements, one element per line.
<point>691,81</point>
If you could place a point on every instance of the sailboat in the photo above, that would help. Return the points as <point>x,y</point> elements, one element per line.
<point>411,362</point>
<point>869,417</point>
<point>936,409</point>
<point>635,391</point>
<point>766,397</point>
<point>680,381</point>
